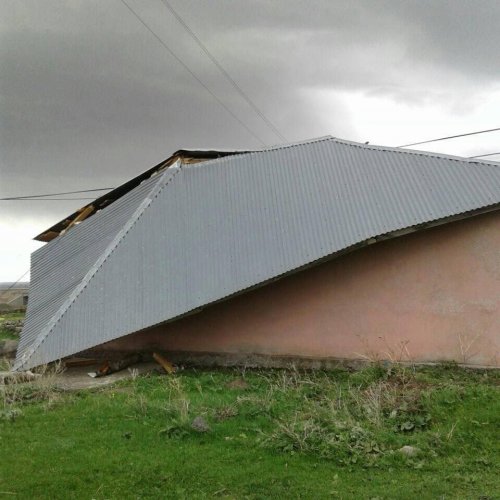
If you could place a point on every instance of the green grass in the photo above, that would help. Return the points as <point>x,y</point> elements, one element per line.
<point>285,435</point>
<point>6,334</point>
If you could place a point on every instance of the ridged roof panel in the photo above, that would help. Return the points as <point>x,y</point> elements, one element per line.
<point>211,230</point>
<point>59,266</point>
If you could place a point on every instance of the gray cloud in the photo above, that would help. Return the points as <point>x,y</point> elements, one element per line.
<point>90,98</point>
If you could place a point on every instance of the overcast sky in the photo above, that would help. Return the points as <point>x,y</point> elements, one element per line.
<point>89,98</point>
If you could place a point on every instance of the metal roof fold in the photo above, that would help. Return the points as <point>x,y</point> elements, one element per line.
<point>196,234</point>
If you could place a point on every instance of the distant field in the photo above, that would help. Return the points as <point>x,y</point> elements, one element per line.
<point>272,434</point>
<point>5,334</point>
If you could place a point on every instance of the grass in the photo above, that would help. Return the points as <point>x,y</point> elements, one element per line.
<point>9,316</point>
<point>273,434</point>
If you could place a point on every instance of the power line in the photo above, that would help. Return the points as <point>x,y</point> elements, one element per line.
<point>219,66</point>
<point>482,156</point>
<point>186,67</point>
<point>449,137</point>
<point>17,281</point>
<point>45,199</point>
<point>55,194</point>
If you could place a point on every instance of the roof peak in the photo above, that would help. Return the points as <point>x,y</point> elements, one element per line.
<point>194,156</point>
<point>346,142</point>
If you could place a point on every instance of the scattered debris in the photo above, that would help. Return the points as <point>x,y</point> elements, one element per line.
<point>76,378</point>
<point>409,451</point>
<point>166,365</point>
<point>199,424</point>
<point>109,367</point>
<point>71,362</point>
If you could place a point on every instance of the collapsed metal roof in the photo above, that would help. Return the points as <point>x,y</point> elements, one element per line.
<point>195,234</point>
<point>183,155</point>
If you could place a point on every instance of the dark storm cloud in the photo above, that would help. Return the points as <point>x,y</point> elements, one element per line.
<point>89,98</point>
<point>459,35</point>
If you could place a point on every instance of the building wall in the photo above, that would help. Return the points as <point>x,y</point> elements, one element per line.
<point>427,296</point>
<point>14,298</point>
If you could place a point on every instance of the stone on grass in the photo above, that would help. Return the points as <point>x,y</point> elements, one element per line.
<point>14,327</point>
<point>409,451</point>
<point>199,424</point>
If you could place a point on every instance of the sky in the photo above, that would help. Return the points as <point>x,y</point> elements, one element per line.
<point>90,98</point>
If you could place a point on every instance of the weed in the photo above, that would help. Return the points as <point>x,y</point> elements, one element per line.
<point>10,414</point>
<point>225,412</point>
<point>42,388</point>
<point>177,410</point>
<point>466,342</point>
<point>333,420</point>
<point>253,404</point>
<point>178,403</point>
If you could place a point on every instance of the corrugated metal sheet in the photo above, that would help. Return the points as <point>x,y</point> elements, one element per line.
<point>204,232</point>
<point>58,267</point>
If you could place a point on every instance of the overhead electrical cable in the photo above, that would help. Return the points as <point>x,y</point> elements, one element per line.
<point>223,71</point>
<point>45,199</point>
<point>17,281</point>
<point>46,196</point>
<point>186,67</point>
<point>488,154</point>
<point>54,194</point>
<point>449,137</point>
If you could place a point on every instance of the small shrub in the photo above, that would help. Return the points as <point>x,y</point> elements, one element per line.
<point>253,404</point>
<point>175,430</point>
<point>322,437</point>
<point>338,423</point>
<point>42,389</point>
<point>176,410</point>
<point>178,403</point>
<point>10,414</point>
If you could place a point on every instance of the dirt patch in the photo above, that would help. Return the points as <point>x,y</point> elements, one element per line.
<point>238,383</point>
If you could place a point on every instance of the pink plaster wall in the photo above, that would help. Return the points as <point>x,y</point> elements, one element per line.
<point>428,296</point>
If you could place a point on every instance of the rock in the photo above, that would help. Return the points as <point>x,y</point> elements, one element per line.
<point>8,348</point>
<point>409,451</point>
<point>199,424</point>
<point>13,326</point>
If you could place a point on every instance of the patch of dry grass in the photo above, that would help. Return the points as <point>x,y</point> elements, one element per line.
<point>40,387</point>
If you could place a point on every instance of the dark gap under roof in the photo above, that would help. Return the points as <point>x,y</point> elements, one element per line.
<point>184,155</point>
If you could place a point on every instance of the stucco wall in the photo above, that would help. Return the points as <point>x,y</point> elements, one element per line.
<point>427,296</point>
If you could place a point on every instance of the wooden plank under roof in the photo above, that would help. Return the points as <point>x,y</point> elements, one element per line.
<point>185,155</point>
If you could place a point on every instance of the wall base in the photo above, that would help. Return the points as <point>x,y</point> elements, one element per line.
<point>242,360</point>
